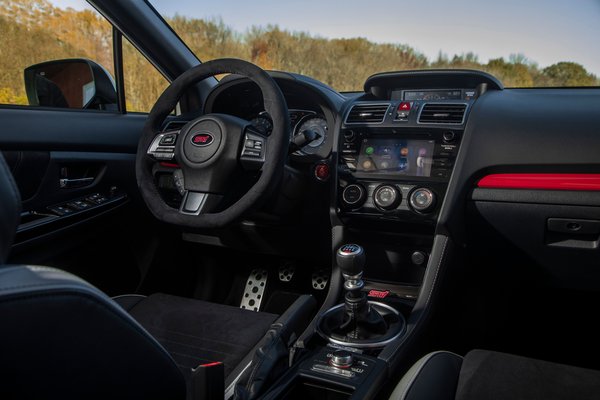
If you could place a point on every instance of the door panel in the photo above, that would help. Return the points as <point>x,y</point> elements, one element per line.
<point>81,209</point>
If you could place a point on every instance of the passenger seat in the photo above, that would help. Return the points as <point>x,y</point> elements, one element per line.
<point>489,375</point>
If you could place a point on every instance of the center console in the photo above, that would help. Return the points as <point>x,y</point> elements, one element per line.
<point>395,151</point>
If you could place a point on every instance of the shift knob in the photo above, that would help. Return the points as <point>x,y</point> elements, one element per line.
<point>351,259</point>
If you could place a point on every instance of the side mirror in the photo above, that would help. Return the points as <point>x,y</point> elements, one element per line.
<point>74,83</point>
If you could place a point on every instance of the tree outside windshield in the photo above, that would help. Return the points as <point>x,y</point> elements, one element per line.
<point>533,43</point>
<point>40,30</point>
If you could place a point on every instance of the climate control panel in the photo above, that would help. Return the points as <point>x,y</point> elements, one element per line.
<point>388,198</point>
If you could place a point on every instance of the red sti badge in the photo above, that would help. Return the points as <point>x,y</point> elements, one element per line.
<point>379,294</point>
<point>202,139</point>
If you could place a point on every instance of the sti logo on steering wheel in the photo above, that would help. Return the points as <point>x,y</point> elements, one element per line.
<point>202,139</point>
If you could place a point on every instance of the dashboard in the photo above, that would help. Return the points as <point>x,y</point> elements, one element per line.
<point>404,157</point>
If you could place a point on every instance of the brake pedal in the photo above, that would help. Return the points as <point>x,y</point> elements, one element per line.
<point>286,272</point>
<point>254,290</point>
<point>320,279</point>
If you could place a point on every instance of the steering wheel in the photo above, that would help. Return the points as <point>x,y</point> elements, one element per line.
<point>214,149</point>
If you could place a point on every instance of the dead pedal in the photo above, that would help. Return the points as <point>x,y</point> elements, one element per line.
<point>286,273</point>
<point>254,290</point>
<point>320,279</point>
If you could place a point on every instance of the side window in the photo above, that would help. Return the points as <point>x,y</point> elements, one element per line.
<point>143,83</point>
<point>55,57</point>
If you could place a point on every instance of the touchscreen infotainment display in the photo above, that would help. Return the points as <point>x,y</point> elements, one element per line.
<point>396,156</point>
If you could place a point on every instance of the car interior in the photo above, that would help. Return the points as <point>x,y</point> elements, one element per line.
<point>435,235</point>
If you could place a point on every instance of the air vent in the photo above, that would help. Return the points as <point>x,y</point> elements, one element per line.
<point>174,125</point>
<point>367,114</point>
<point>442,113</point>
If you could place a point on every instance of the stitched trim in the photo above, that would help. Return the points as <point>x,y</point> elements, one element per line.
<point>128,295</point>
<point>163,331</point>
<point>437,271</point>
<point>417,368</point>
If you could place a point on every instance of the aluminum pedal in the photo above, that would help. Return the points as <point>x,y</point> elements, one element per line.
<point>320,279</point>
<point>286,272</point>
<point>254,290</point>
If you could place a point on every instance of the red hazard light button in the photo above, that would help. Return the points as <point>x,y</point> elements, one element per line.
<point>404,106</point>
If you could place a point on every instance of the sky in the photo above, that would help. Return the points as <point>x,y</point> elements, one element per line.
<point>545,31</point>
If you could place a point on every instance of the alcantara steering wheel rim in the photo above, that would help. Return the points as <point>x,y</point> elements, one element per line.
<point>275,151</point>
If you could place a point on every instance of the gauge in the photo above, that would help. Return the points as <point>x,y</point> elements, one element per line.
<point>263,123</point>
<point>297,115</point>
<point>317,125</point>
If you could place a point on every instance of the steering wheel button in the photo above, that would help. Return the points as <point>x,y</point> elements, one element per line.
<point>252,153</point>
<point>249,143</point>
<point>167,140</point>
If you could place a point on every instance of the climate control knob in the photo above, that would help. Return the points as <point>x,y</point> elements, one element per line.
<point>353,196</point>
<point>387,197</point>
<point>422,200</point>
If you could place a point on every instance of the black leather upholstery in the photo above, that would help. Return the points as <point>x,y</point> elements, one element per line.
<point>10,209</point>
<point>495,376</point>
<point>63,338</point>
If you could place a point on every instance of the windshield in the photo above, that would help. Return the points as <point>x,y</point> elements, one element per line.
<point>523,43</point>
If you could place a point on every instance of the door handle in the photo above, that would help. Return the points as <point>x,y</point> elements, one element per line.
<point>66,183</point>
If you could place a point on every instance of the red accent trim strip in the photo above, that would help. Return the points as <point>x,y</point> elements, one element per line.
<point>169,165</point>
<point>212,364</point>
<point>579,182</point>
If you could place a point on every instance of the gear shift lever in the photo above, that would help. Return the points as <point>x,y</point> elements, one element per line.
<point>351,260</point>
<point>360,320</point>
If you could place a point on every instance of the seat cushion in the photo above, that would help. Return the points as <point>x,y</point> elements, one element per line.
<point>433,377</point>
<point>491,375</point>
<point>197,332</point>
<point>498,376</point>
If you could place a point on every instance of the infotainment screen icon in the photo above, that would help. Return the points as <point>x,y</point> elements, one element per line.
<point>398,157</point>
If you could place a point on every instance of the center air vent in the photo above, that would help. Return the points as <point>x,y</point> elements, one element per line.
<point>367,114</point>
<point>442,113</point>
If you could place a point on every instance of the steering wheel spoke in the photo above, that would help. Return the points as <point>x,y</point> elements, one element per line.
<point>196,203</point>
<point>254,149</point>
<point>162,147</point>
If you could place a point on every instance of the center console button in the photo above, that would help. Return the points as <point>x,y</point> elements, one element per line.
<point>387,197</point>
<point>422,200</point>
<point>341,359</point>
<point>354,195</point>
<point>449,136</point>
